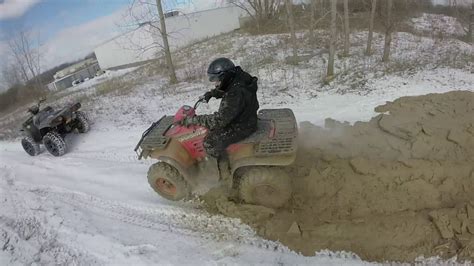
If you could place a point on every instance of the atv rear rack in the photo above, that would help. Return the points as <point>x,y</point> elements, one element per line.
<point>153,137</point>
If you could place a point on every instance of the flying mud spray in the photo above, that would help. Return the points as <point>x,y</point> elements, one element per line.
<point>395,188</point>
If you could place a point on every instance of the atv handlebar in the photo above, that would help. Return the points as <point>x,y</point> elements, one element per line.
<point>38,104</point>
<point>199,101</point>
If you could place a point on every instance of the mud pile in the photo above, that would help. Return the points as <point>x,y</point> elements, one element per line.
<point>395,188</point>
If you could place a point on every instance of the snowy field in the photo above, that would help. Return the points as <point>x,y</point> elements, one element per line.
<point>93,206</point>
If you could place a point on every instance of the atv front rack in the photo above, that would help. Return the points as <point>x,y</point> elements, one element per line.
<point>153,137</point>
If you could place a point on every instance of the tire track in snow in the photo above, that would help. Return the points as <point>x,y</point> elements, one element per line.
<point>110,156</point>
<point>25,237</point>
<point>186,222</point>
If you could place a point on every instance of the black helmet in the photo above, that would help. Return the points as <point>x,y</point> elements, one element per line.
<point>219,68</point>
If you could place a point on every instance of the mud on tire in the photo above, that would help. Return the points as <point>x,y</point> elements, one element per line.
<point>168,182</point>
<point>54,143</point>
<point>30,146</point>
<point>266,186</point>
<point>83,125</point>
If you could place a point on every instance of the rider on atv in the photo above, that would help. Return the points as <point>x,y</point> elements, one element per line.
<point>236,118</point>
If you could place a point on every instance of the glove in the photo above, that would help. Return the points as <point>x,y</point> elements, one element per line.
<point>216,93</point>
<point>187,121</point>
<point>207,96</point>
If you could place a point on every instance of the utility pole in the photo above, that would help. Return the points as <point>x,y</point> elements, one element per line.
<point>166,46</point>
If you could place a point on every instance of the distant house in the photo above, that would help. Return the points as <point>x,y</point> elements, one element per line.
<point>143,44</point>
<point>465,3</point>
<point>76,73</point>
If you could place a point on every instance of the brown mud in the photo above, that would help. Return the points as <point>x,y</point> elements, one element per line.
<point>395,188</point>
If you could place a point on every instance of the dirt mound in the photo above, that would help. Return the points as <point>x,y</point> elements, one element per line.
<point>394,188</point>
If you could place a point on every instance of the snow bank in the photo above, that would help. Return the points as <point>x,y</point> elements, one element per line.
<point>438,25</point>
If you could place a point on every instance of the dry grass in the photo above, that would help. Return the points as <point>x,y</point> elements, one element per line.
<point>19,96</point>
<point>118,86</point>
<point>154,68</point>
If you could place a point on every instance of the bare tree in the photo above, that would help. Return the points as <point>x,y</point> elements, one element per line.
<point>311,20</point>
<point>164,35</point>
<point>346,28</point>
<point>322,8</point>
<point>316,5</point>
<point>146,33</point>
<point>471,24</point>
<point>11,75</point>
<point>389,25</point>
<point>260,10</point>
<point>24,50</point>
<point>19,64</point>
<point>291,23</point>
<point>368,51</point>
<point>332,41</point>
<point>465,15</point>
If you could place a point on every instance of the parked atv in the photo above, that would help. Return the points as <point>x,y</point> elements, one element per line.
<point>48,126</point>
<point>252,171</point>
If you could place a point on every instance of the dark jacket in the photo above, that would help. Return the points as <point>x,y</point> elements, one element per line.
<point>239,104</point>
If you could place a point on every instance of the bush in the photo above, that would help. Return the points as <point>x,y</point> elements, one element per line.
<point>19,95</point>
<point>117,85</point>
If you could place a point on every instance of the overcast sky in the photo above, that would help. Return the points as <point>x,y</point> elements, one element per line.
<point>70,29</point>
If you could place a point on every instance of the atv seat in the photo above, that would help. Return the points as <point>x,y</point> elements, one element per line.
<point>43,115</point>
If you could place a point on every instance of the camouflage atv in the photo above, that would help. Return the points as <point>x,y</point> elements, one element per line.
<point>49,126</point>
<point>252,171</point>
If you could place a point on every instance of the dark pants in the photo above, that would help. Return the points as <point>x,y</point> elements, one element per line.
<point>218,140</point>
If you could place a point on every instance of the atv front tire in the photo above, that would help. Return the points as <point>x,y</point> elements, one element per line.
<point>168,182</point>
<point>82,122</point>
<point>54,143</point>
<point>30,146</point>
<point>266,186</point>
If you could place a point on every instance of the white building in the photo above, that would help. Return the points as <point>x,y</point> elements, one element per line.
<point>466,3</point>
<point>142,44</point>
<point>78,72</point>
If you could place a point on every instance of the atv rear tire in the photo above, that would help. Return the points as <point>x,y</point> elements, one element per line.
<point>266,186</point>
<point>54,143</point>
<point>82,122</point>
<point>168,182</point>
<point>30,146</point>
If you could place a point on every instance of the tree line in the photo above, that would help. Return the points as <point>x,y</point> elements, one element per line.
<point>22,71</point>
<point>386,16</point>
<point>26,80</point>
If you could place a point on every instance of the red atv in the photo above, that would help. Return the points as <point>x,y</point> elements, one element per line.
<point>253,168</point>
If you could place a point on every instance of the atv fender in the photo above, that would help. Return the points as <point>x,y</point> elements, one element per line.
<point>281,160</point>
<point>199,175</point>
<point>181,169</point>
<point>175,151</point>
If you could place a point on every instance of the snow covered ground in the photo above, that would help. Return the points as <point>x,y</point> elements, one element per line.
<point>438,25</point>
<point>94,205</point>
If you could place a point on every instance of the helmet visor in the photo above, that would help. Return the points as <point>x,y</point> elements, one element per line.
<point>213,77</point>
